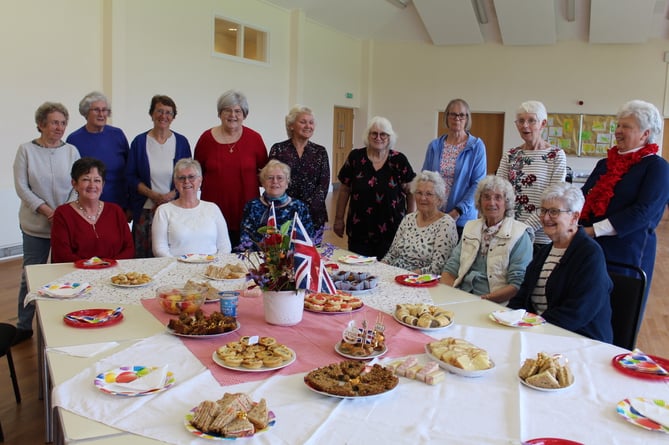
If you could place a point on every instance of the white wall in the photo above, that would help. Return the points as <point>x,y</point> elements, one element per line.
<point>134,49</point>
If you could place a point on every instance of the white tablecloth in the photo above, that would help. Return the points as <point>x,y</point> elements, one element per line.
<point>169,271</point>
<point>493,409</point>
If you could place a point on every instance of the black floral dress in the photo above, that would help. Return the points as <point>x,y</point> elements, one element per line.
<point>377,203</point>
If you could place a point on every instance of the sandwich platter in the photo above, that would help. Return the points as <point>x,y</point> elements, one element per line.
<point>539,388</point>
<point>211,436</point>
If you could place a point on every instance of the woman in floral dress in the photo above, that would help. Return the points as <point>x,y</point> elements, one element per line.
<point>375,186</point>
<point>532,167</point>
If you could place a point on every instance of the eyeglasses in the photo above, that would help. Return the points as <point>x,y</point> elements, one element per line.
<point>376,134</point>
<point>425,194</point>
<point>189,178</point>
<point>553,213</point>
<point>167,113</point>
<point>457,116</point>
<point>531,122</point>
<point>236,111</point>
<point>276,178</point>
<point>101,110</point>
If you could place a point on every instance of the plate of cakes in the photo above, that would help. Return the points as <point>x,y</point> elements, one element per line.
<point>329,304</point>
<point>546,373</point>
<point>422,316</point>
<point>355,283</point>
<point>351,379</point>
<point>460,357</point>
<point>254,354</point>
<point>360,351</point>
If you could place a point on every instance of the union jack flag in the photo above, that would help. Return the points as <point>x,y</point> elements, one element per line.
<point>310,270</point>
<point>271,218</point>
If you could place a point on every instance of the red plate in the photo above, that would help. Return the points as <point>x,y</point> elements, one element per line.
<point>551,441</point>
<point>91,313</point>
<point>615,361</point>
<point>81,264</point>
<point>402,279</point>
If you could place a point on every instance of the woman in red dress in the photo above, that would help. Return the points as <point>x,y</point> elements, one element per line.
<point>231,156</point>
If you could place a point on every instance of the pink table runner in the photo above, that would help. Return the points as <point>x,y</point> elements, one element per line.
<point>313,339</point>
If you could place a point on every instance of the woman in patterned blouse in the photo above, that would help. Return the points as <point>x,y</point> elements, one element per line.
<point>308,163</point>
<point>427,236</point>
<point>375,186</point>
<point>532,167</point>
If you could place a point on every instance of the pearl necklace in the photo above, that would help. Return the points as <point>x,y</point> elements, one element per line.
<point>92,218</point>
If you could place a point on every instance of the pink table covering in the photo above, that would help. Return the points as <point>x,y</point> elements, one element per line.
<point>313,339</point>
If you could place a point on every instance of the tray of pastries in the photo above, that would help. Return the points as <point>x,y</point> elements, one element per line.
<point>332,304</point>
<point>423,316</point>
<point>254,354</point>
<point>199,325</point>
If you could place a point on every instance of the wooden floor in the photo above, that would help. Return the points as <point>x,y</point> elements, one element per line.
<point>24,424</point>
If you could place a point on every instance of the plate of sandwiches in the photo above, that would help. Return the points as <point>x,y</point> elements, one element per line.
<point>460,357</point>
<point>351,379</point>
<point>228,272</point>
<point>332,304</point>
<point>546,373</point>
<point>232,416</point>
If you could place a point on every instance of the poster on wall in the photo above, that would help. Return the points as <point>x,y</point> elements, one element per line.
<point>563,131</point>
<point>597,134</point>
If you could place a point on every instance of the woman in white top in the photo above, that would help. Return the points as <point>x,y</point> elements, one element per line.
<point>427,236</point>
<point>187,224</point>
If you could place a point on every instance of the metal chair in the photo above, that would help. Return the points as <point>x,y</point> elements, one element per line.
<point>7,334</point>
<point>629,288</point>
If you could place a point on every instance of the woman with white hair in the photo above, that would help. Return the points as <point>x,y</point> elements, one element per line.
<point>375,186</point>
<point>567,282</point>
<point>308,163</point>
<point>102,141</point>
<point>626,193</point>
<point>427,236</point>
<point>532,166</point>
<point>494,250</point>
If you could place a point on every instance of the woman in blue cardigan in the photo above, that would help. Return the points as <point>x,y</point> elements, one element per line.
<point>567,282</point>
<point>153,155</point>
<point>626,193</point>
<point>460,159</point>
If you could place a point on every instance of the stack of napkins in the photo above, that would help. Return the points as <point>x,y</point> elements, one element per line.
<point>651,410</point>
<point>64,289</point>
<point>510,317</point>
<point>640,362</point>
<point>153,380</point>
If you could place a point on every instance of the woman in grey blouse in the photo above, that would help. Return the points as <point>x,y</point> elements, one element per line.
<point>42,182</point>
<point>425,238</point>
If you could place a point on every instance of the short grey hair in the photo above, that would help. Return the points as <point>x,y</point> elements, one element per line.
<point>274,163</point>
<point>647,116</point>
<point>87,101</point>
<point>385,126</point>
<point>231,98</point>
<point>468,123</point>
<point>184,163</point>
<point>43,111</point>
<point>492,183</point>
<point>533,107</point>
<point>436,180</point>
<point>292,116</point>
<point>569,194</point>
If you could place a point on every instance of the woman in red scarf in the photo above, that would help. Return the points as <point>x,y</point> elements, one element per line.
<point>626,193</point>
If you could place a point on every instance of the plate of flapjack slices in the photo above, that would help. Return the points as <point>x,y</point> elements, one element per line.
<point>351,379</point>
<point>332,304</point>
<point>423,316</point>
<point>546,373</point>
<point>254,354</point>
<point>232,416</point>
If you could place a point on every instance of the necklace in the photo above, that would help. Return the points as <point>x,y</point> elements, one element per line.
<point>92,218</point>
<point>232,146</point>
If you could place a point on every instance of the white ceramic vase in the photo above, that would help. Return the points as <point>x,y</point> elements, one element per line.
<point>283,308</point>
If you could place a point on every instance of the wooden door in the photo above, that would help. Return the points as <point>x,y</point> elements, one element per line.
<point>490,128</point>
<point>342,138</point>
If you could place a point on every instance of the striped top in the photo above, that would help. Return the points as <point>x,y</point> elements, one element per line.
<point>539,301</point>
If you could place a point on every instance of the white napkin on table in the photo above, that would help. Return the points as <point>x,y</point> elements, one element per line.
<point>152,380</point>
<point>85,350</point>
<point>352,259</point>
<point>652,411</point>
<point>510,317</point>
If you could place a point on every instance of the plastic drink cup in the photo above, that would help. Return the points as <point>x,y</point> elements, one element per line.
<point>229,300</point>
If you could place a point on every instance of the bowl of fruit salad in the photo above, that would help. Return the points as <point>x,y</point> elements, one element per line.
<point>175,300</point>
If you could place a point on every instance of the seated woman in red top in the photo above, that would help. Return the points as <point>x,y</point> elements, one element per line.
<point>89,227</point>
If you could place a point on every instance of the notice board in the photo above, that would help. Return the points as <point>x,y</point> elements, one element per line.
<point>581,134</point>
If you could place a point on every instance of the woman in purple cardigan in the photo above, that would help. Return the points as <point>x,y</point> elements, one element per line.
<point>153,155</point>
